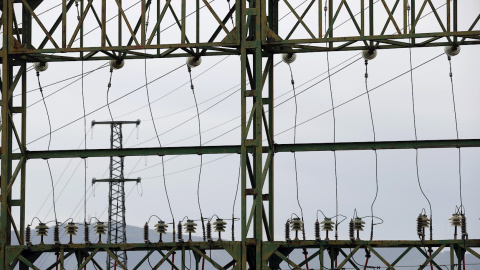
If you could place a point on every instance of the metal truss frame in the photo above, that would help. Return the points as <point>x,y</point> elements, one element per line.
<point>255,38</point>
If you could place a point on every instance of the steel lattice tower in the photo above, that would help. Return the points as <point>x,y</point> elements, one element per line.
<point>116,192</point>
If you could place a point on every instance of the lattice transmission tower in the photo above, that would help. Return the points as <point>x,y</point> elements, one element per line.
<point>117,233</point>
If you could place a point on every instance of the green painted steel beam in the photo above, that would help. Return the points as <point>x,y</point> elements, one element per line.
<point>235,149</point>
<point>220,245</point>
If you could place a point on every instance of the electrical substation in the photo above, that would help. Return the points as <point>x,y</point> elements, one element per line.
<point>44,42</point>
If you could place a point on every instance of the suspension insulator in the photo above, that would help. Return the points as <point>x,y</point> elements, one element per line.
<point>40,66</point>
<point>190,226</point>
<point>464,227</point>
<point>287,231</point>
<point>116,63</point>
<point>146,233</point>
<point>179,232</point>
<point>369,54</point>
<point>317,230</point>
<point>86,233</point>
<point>327,224</point>
<point>289,58</point>
<point>351,232</point>
<point>42,230</point>
<point>28,235</point>
<point>452,50</point>
<point>209,231</point>
<point>194,61</point>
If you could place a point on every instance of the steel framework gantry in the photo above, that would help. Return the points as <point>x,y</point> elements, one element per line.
<point>256,39</point>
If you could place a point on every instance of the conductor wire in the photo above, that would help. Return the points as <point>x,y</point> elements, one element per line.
<point>156,133</point>
<point>334,132</point>
<point>456,130</point>
<point>416,138</point>
<point>48,148</point>
<point>295,141</point>
<point>374,150</point>
<point>201,156</point>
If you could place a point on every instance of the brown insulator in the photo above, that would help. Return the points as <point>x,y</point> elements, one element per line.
<point>86,233</point>
<point>351,232</point>
<point>28,235</point>
<point>233,228</point>
<point>287,231</point>
<point>209,231</point>
<point>56,234</point>
<point>145,233</point>
<point>317,230</point>
<point>420,227</point>
<point>179,232</point>
<point>464,228</point>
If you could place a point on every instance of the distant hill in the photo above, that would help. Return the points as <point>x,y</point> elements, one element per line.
<point>135,235</point>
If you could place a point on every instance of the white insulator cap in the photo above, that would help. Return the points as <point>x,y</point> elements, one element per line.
<point>289,58</point>
<point>194,61</point>
<point>369,54</point>
<point>116,64</point>
<point>452,51</point>
<point>40,66</point>
<point>455,220</point>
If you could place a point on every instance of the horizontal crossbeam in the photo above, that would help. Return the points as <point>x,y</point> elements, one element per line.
<point>235,149</point>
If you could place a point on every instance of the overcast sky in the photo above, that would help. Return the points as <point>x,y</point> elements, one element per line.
<point>217,82</point>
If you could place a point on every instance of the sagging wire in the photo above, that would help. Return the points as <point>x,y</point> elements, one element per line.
<point>334,130</point>
<point>456,132</point>
<point>374,150</point>
<point>192,87</point>
<point>84,136</point>
<point>49,143</point>
<point>415,131</point>
<point>158,139</point>
<point>292,81</point>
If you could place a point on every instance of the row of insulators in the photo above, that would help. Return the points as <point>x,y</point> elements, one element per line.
<point>192,62</point>
<point>190,227</point>
<point>327,225</point>
<point>456,220</point>
<point>70,230</point>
